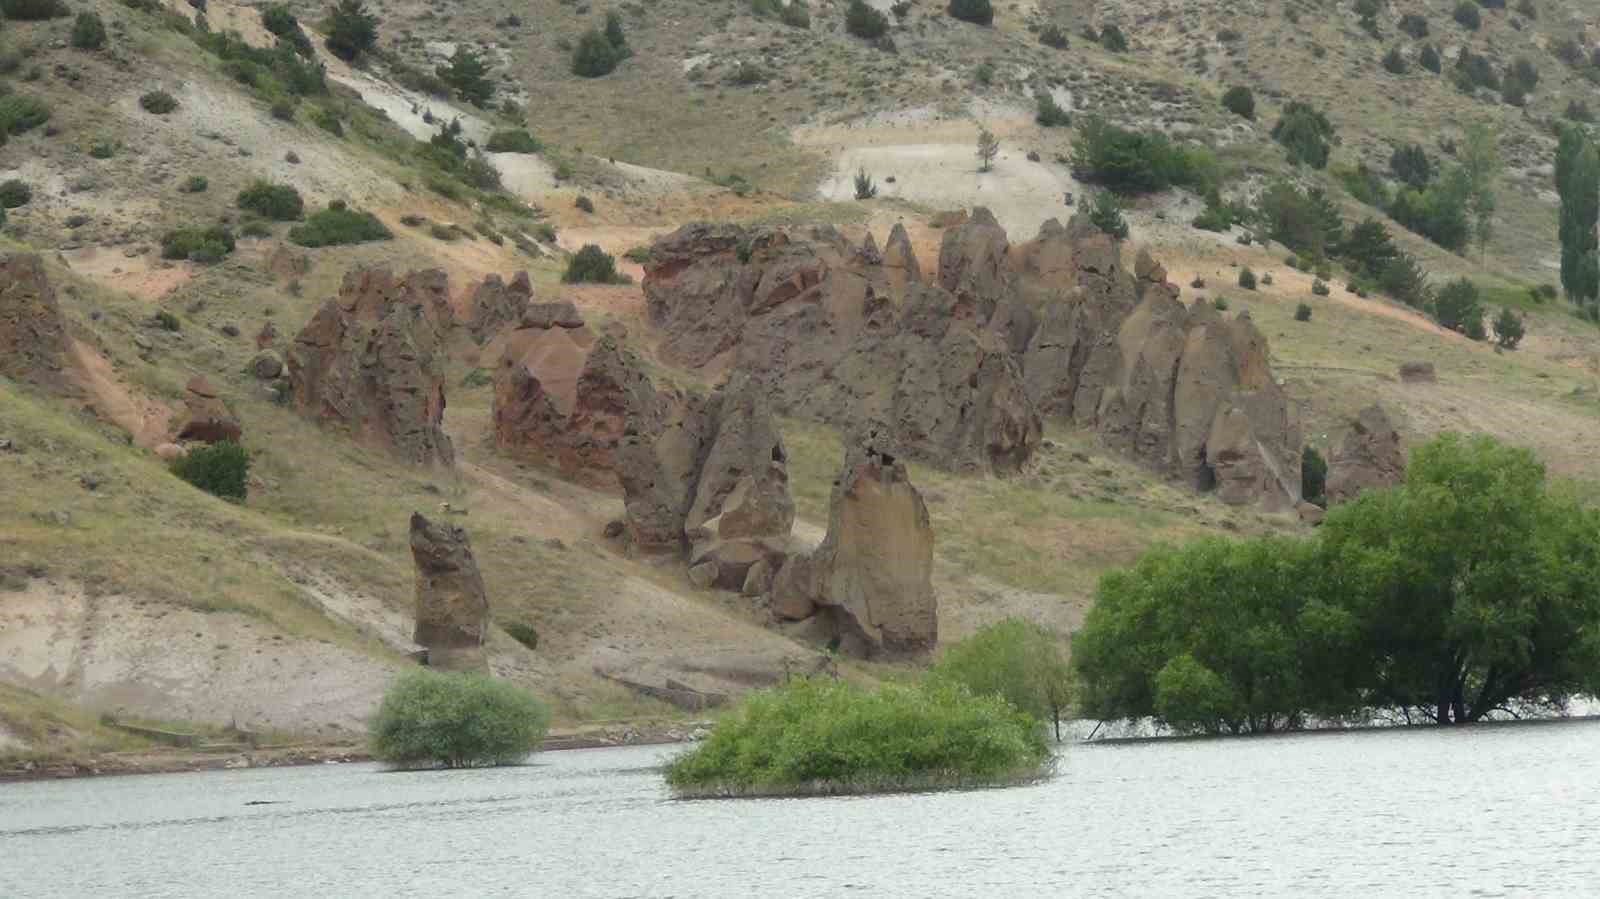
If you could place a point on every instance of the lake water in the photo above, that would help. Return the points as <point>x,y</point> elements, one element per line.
<point>1483,811</point>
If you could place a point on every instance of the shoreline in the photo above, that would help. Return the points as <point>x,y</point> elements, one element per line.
<point>167,760</point>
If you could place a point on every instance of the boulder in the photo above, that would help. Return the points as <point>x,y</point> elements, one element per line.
<point>267,365</point>
<point>33,335</point>
<point>169,452</point>
<point>1310,513</point>
<point>452,606</point>
<point>1417,373</point>
<point>205,418</point>
<point>267,336</point>
<point>494,305</point>
<point>371,360</point>
<point>1369,456</point>
<point>871,577</point>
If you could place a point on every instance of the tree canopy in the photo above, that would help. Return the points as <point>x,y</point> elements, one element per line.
<point>1016,660</point>
<point>1473,587</point>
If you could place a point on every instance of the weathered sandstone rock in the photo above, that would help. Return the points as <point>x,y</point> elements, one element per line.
<point>1369,456</point>
<point>452,606</point>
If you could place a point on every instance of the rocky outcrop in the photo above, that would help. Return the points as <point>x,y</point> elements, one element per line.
<point>707,478</point>
<point>1368,457</point>
<point>563,397</point>
<point>494,305</point>
<point>869,583</point>
<point>371,360</point>
<point>957,370</point>
<point>852,336</point>
<point>33,335</point>
<point>452,606</point>
<point>205,418</point>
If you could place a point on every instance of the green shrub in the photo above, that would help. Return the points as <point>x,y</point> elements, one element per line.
<point>866,189</point>
<point>520,631</point>
<point>1430,59</point>
<point>351,30</point>
<point>1014,659</point>
<point>796,14</point>
<point>88,32</point>
<point>1395,62</point>
<point>158,102</point>
<point>1215,217</point>
<point>983,73</point>
<point>1320,287</point>
<point>1313,470</point>
<point>20,113</point>
<point>255,229</point>
<point>1414,25</point>
<point>104,149</point>
<point>328,121</point>
<point>469,75</point>
<point>1053,36</point>
<point>15,193</point>
<point>513,141</point>
<point>584,204</point>
<point>338,225</point>
<point>1305,220</point>
<point>283,110</point>
<point>220,469</point>
<point>197,244</point>
<point>1112,38</point>
<point>1466,15</point>
<point>815,735</point>
<point>1050,114</point>
<point>1247,278</point>
<point>194,184</point>
<point>865,22</point>
<point>614,34</point>
<point>1302,313</point>
<point>1220,304</point>
<point>1459,308</point>
<point>1410,165</point>
<point>455,720</point>
<point>1135,162</point>
<point>278,202</point>
<point>1304,133</point>
<point>1240,101</point>
<point>1509,329</point>
<point>595,56</point>
<point>166,321</point>
<point>1404,279</point>
<point>34,10</point>
<point>1105,213</point>
<point>978,12</point>
<point>592,265</point>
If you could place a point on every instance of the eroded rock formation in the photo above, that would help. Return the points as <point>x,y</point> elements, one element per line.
<point>1369,456</point>
<point>33,336</point>
<point>205,418</point>
<point>452,606</point>
<point>869,583</point>
<point>562,396</point>
<point>494,304</point>
<point>957,369</point>
<point>372,361</point>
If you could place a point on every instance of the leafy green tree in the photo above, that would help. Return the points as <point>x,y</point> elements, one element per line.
<point>1466,15</point>
<point>1105,213</point>
<point>1313,476</point>
<point>1137,162</point>
<point>1049,113</point>
<point>220,469</point>
<point>88,32</point>
<point>456,720</point>
<point>1429,59</point>
<point>1509,329</point>
<point>1410,165</point>
<point>1305,220</point>
<point>988,149</point>
<point>1369,248</point>
<point>1459,308</point>
<point>1112,39</point>
<point>591,265</point>
<point>1481,591</point>
<point>865,22</point>
<point>352,30</point>
<point>614,33</point>
<point>978,12</point>
<point>1304,133</point>
<point>1481,164</point>
<point>1016,660</point>
<point>278,202</point>
<point>1240,101</point>
<point>1578,184</point>
<point>594,56</point>
<point>469,75</point>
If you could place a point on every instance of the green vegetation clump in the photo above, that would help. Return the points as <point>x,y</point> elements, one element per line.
<point>198,244</point>
<point>1466,15</point>
<point>1414,25</point>
<point>1247,278</point>
<point>194,184</point>
<point>1049,113</point>
<point>796,14</point>
<point>1313,469</point>
<point>1302,312</point>
<point>516,140</point>
<point>866,188</point>
<point>584,204</point>
<point>220,469</point>
<point>1320,287</point>
<point>1577,177</point>
<point>1509,329</point>
<point>15,193</point>
<point>339,225</point>
<point>88,32</point>
<point>592,265</point>
<point>1135,162</point>
<point>431,719</point>
<point>1105,213</point>
<point>158,102</point>
<point>1460,308</point>
<point>351,30</point>
<point>978,12</point>
<point>1112,39</point>
<point>1304,133</point>
<point>1430,59</point>
<point>1394,62</point>
<point>468,74</point>
<point>34,10</point>
<point>1240,101</point>
<point>823,736</point>
<point>520,631</point>
<point>1053,36</point>
<point>20,113</point>
<point>278,202</point>
<point>280,21</point>
<point>1466,590</point>
<point>1016,660</point>
<point>865,22</point>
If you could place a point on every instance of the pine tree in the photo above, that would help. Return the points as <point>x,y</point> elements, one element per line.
<point>468,74</point>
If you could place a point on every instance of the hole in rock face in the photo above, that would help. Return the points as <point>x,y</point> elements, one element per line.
<point>777,454</point>
<point>1208,479</point>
